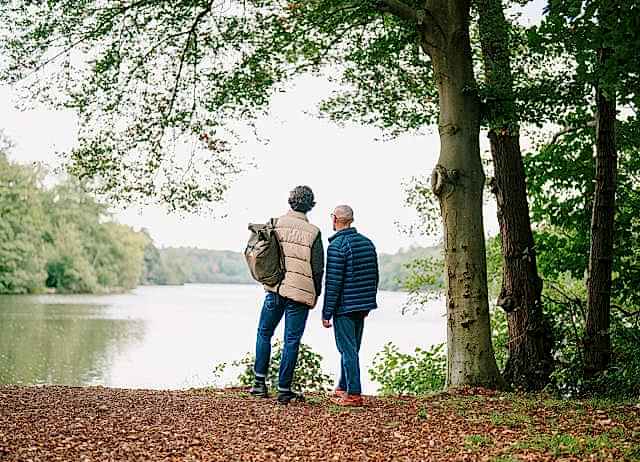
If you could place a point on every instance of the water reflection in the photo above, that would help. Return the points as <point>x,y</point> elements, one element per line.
<point>171,337</point>
<point>60,343</point>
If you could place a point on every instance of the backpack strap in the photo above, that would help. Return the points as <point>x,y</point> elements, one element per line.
<point>274,222</point>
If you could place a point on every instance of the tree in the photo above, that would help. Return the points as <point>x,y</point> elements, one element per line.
<point>458,182</point>
<point>530,361</point>
<point>21,224</point>
<point>149,62</point>
<point>601,37</point>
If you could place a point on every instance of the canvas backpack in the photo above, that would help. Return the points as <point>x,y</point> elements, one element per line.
<point>264,254</point>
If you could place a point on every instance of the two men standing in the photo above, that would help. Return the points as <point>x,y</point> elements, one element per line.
<point>351,288</point>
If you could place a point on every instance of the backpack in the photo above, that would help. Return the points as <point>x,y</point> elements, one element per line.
<point>264,254</point>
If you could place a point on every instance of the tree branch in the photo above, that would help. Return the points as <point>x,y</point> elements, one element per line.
<point>426,20</point>
<point>399,9</point>
<point>564,131</point>
<point>190,37</point>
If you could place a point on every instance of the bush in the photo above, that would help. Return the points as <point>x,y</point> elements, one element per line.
<point>405,374</point>
<point>308,374</point>
<point>565,302</point>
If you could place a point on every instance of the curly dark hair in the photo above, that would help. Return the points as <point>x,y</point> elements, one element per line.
<point>301,199</point>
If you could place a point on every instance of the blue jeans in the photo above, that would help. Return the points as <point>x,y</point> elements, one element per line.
<point>295,320</point>
<point>348,332</point>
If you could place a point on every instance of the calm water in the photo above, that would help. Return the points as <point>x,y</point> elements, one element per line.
<point>171,337</point>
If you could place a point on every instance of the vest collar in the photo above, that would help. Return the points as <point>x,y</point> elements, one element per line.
<point>298,215</point>
<point>343,232</point>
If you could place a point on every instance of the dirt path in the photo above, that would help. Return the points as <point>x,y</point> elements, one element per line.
<point>76,424</point>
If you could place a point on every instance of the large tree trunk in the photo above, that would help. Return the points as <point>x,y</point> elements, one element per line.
<point>458,181</point>
<point>597,341</point>
<point>530,359</point>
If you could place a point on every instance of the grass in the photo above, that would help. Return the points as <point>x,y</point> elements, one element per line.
<point>423,413</point>
<point>314,400</point>
<point>476,441</point>
<point>561,444</point>
<point>564,444</point>
<point>511,420</point>
<point>506,458</point>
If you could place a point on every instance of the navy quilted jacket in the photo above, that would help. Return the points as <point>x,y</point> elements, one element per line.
<point>351,278</point>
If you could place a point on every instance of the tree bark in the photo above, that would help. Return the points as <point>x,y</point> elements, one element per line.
<point>458,182</point>
<point>530,360</point>
<point>597,341</point>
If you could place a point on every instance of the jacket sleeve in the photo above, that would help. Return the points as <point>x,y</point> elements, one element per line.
<point>377,269</point>
<point>334,280</point>
<point>317,263</point>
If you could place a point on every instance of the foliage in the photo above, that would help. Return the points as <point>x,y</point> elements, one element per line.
<point>500,336</point>
<point>566,299</point>
<point>21,224</point>
<point>135,74</point>
<point>406,374</point>
<point>561,189</point>
<point>60,237</point>
<point>396,268</point>
<point>308,374</point>
<point>424,281</point>
<point>575,30</point>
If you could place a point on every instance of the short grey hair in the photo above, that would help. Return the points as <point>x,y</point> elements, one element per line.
<point>343,213</point>
<point>301,199</point>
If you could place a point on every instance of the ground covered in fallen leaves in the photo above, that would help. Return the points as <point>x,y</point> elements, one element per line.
<point>95,423</point>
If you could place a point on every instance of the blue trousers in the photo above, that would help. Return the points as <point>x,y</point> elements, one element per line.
<point>348,332</point>
<point>295,320</point>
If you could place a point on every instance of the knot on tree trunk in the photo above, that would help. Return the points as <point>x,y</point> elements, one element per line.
<point>507,303</point>
<point>443,179</point>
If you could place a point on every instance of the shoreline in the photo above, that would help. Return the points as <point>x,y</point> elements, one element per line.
<point>119,291</point>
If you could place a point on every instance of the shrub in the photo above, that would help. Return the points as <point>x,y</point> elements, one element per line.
<point>565,301</point>
<point>308,374</point>
<point>405,374</point>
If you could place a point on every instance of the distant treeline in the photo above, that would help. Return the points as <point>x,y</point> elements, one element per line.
<point>179,265</point>
<point>192,265</point>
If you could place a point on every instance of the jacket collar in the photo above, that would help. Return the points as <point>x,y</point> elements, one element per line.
<point>299,215</point>
<point>343,232</point>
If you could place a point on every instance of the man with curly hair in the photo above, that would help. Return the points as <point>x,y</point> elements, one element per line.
<point>293,297</point>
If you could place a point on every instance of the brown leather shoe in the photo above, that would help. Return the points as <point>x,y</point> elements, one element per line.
<point>350,401</point>
<point>338,393</point>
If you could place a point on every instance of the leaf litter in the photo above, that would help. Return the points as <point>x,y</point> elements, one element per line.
<point>53,423</point>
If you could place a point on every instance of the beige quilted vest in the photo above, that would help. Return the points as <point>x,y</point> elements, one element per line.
<point>296,236</point>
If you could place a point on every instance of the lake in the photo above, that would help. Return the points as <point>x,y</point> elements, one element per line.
<point>172,337</point>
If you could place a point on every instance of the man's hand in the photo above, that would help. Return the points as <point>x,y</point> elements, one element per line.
<point>326,323</point>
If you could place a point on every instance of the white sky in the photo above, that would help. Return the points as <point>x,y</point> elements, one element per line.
<point>341,165</point>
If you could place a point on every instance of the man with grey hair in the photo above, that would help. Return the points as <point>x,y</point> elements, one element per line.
<point>351,288</point>
<point>293,297</point>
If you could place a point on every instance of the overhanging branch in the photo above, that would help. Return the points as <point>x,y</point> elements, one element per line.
<point>398,8</point>
<point>426,20</point>
<point>567,130</point>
